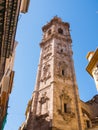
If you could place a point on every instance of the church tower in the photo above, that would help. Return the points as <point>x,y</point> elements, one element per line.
<point>55,101</point>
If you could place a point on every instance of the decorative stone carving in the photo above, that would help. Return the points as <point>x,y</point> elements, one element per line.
<point>62,70</point>
<point>47,48</point>
<point>59,67</point>
<point>64,98</point>
<point>43,105</point>
<point>47,51</point>
<point>38,117</point>
<point>43,98</point>
<point>67,116</point>
<point>47,56</point>
<point>46,72</point>
<point>62,49</point>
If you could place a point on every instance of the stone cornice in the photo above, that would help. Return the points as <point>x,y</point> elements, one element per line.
<point>64,38</point>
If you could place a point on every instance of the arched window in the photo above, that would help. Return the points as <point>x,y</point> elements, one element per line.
<point>49,32</point>
<point>60,31</point>
<point>87,123</point>
<point>65,108</point>
<point>63,72</point>
<point>61,50</point>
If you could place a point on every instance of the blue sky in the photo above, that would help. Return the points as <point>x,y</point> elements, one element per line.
<point>83,18</point>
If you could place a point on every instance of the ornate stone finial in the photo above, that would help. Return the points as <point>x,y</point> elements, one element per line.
<point>57,18</point>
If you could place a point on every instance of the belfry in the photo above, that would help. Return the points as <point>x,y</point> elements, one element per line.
<point>55,103</point>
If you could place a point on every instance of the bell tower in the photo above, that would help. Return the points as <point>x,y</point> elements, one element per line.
<point>55,101</point>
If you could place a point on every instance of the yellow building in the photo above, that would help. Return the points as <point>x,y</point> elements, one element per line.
<point>92,67</point>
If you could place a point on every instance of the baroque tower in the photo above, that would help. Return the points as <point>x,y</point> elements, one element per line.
<point>55,101</point>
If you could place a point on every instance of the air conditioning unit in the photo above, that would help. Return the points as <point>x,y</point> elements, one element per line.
<point>24,6</point>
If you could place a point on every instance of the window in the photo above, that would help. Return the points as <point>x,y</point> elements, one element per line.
<point>49,32</point>
<point>61,50</point>
<point>65,108</point>
<point>88,124</point>
<point>60,31</point>
<point>63,72</point>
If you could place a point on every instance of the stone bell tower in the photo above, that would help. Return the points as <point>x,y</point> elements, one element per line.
<point>55,101</point>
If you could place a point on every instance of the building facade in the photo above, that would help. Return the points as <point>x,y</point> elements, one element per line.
<point>55,103</point>
<point>92,67</point>
<point>9,12</point>
<point>6,85</point>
